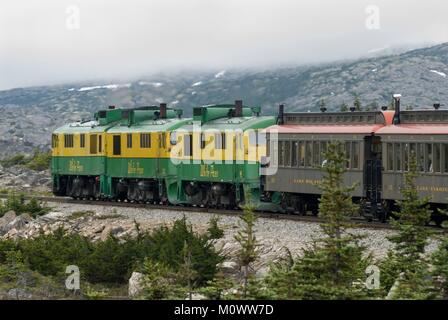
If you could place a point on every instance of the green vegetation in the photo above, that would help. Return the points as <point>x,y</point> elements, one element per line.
<point>39,160</point>
<point>177,253</point>
<point>19,205</point>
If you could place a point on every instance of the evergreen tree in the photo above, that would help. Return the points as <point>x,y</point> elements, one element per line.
<point>344,107</point>
<point>357,103</point>
<point>321,103</point>
<point>247,253</point>
<point>330,268</point>
<point>407,264</point>
<point>214,231</point>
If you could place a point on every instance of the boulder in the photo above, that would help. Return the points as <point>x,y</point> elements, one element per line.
<point>135,284</point>
<point>7,218</point>
<point>19,294</point>
<point>20,221</point>
<point>111,230</point>
<point>229,267</point>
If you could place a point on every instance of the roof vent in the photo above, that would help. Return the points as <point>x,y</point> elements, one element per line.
<point>436,106</point>
<point>384,108</point>
<point>323,109</point>
<point>111,107</point>
<point>352,109</point>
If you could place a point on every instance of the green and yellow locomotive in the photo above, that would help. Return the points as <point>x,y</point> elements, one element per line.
<point>218,157</point>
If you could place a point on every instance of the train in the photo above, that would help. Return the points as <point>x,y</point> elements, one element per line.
<point>229,155</point>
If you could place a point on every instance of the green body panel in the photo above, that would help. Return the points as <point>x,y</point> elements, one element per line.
<point>145,168</point>
<point>85,166</point>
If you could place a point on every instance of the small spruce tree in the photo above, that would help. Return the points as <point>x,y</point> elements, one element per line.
<point>407,263</point>
<point>247,253</point>
<point>344,107</point>
<point>357,103</point>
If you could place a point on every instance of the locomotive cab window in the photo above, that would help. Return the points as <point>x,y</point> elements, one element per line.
<point>54,141</point>
<point>100,143</point>
<point>82,140</point>
<point>68,140</point>
<point>129,140</point>
<point>93,143</point>
<point>116,145</point>
<point>145,140</point>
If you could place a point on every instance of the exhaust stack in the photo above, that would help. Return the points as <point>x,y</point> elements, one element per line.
<point>163,111</point>
<point>397,98</point>
<point>281,116</point>
<point>238,108</point>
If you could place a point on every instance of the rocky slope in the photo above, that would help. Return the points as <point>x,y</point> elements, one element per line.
<point>28,115</point>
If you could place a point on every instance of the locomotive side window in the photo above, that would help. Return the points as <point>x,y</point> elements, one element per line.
<point>145,140</point>
<point>68,140</point>
<point>100,143</point>
<point>129,140</point>
<point>116,145</point>
<point>82,140</point>
<point>93,143</point>
<point>355,155</point>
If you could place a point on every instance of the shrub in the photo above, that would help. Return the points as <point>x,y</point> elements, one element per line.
<point>18,204</point>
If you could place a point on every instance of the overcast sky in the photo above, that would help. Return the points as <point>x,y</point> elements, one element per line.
<point>48,42</point>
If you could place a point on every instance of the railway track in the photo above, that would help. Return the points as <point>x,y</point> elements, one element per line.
<point>358,222</point>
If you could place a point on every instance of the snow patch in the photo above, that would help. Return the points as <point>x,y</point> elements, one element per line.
<point>107,86</point>
<point>196,84</point>
<point>439,73</point>
<point>220,74</point>
<point>71,89</point>
<point>193,93</point>
<point>374,70</point>
<point>154,84</point>
<point>175,102</point>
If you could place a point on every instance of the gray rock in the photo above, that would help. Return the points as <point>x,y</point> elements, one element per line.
<point>135,284</point>
<point>229,267</point>
<point>111,230</point>
<point>19,294</point>
<point>7,218</point>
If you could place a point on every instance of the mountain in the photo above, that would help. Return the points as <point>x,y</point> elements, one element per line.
<point>28,115</point>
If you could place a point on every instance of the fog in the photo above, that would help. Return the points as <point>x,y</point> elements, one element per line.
<point>49,42</point>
